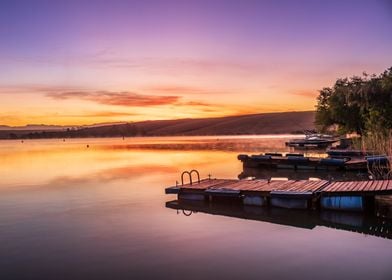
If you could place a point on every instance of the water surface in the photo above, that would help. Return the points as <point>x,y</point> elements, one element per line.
<point>96,209</point>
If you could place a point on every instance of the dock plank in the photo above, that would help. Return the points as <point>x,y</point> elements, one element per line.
<point>375,186</point>
<point>350,186</point>
<point>255,185</point>
<point>323,184</point>
<point>379,185</point>
<point>303,186</point>
<point>288,186</point>
<point>265,187</point>
<point>359,186</point>
<point>282,185</point>
<point>316,186</point>
<point>388,186</point>
<point>226,185</point>
<point>363,186</point>
<point>368,185</point>
<point>333,186</point>
<point>204,184</point>
<point>298,186</point>
<point>384,186</point>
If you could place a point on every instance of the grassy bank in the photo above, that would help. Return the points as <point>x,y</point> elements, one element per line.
<point>379,142</point>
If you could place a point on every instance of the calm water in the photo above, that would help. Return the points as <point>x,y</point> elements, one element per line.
<point>72,212</point>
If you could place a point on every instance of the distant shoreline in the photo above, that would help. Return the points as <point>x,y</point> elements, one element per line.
<point>214,137</point>
<point>255,124</point>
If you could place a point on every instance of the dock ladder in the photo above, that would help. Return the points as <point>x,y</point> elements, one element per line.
<point>190,176</point>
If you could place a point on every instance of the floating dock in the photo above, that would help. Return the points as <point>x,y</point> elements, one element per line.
<point>347,153</point>
<point>300,162</point>
<point>295,194</point>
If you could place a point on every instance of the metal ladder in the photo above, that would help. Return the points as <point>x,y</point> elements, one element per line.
<point>190,176</point>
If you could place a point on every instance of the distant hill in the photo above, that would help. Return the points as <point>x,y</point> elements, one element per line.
<point>267,123</point>
<point>33,127</point>
<point>45,127</point>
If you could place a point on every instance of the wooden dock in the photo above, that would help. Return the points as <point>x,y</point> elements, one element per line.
<point>303,163</point>
<point>344,195</point>
<point>370,187</point>
<point>300,162</point>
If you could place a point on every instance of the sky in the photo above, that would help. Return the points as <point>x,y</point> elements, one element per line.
<point>76,62</point>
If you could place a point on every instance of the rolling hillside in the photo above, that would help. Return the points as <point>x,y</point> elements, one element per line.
<point>267,123</point>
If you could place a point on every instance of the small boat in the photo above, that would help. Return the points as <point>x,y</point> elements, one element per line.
<point>313,141</point>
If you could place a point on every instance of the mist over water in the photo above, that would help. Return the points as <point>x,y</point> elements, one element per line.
<point>96,209</point>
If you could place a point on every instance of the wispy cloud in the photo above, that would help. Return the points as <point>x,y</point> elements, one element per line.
<point>111,114</point>
<point>124,98</point>
<point>186,90</point>
<point>35,88</point>
<point>178,89</point>
<point>198,103</point>
<point>306,93</point>
<point>101,114</point>
<point>151,64</point>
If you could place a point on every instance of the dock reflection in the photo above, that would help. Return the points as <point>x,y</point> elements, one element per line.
<point>354,222</point>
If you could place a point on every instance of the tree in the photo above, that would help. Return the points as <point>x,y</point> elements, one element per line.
<point>357,104</point>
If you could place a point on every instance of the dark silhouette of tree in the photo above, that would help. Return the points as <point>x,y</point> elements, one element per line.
<point>357,104</point>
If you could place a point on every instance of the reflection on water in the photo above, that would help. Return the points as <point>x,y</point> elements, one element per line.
<point>72,212</point>
<point>356,222</point>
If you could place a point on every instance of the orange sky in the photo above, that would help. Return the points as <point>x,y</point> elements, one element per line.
<point>81,64</point>
<point>67,106</point>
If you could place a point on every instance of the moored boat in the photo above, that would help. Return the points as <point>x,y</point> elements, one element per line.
<point>312,141</point>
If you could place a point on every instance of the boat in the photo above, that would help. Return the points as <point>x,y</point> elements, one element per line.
<point>313,140</point>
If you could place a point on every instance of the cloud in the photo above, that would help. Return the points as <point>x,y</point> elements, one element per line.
<point>179,89</point>
<point>35,88</point>
<point>149,64</point>
<point>187,90</point>
<point>100,114</point>
<point>111,114</point>
<point>130,99</point>
<point>124,98</point>
<point>306,93</point>
<point>198,103</point>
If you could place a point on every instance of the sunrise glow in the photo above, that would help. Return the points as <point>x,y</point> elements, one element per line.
<point>110,61</point>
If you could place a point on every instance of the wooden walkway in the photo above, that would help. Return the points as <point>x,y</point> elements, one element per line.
<point>265,187</point>
<point>301,162</point>
<point>360,187</point>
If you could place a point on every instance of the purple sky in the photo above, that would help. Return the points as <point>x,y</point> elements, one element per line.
<point>260,55</point>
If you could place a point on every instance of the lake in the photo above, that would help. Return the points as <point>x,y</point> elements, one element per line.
<point>96,209</point>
